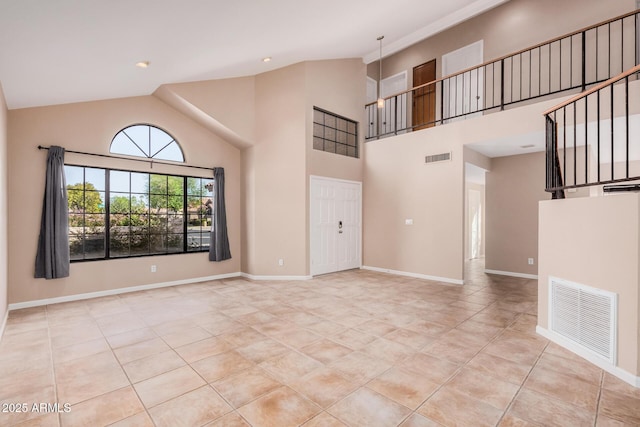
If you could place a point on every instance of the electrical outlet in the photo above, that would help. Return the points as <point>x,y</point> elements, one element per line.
<point>153,269</point>
<point>530,260</point>
<point>408,221</point>
<point>280,262</point>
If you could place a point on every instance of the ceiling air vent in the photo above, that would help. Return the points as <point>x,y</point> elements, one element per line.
<point>438,158</point>
<point>585,315</point>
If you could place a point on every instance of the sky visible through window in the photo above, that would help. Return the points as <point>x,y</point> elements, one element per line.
<point>146,141</point>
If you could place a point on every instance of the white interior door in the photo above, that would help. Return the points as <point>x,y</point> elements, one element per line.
<point>335,229</point>
<point>463,94</point>
<point>394,113</point>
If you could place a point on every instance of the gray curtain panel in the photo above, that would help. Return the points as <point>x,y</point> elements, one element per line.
<point>52,258</point>
<point>219,245</point>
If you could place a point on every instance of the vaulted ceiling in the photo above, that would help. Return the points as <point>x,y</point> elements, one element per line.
<point>62,51</point>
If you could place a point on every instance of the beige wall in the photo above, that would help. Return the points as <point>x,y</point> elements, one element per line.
<point>276,170</point>
<point>3,209</point>
<point>274,173</point>
<point>594,241</point>
<point>336,86</point>
<point>399,186</point>
<point>90,127</point>
<point>514,187</point>
<point>512,26</point>
<point>229,102</point>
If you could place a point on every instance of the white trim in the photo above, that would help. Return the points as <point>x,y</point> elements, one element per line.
<point>601,363</point>
<point>4,323</point>
<point>253,277</point>
<point>452,19</point>
<point>78,297</point>
<point>512,274</point>
<point>415,275</point>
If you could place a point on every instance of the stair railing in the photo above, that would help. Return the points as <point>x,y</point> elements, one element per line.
<point>571,62</point>
<point>593,138</point>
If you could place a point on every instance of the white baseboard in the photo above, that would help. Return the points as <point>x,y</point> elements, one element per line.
<point>512,274</point>
<point>625,376</point>
<point>4,323</point>
<point>252,277</point>
<point>415,275</point>
<point>78,297</point>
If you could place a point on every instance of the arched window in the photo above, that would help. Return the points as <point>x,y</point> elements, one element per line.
<point>146,141</point>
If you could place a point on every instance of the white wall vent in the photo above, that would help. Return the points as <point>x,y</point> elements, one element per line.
<point>587,316</point>
<point>443,157</point>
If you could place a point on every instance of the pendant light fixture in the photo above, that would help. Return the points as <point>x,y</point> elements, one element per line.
<point>380,100</point>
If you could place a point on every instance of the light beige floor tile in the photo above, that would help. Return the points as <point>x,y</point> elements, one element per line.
<point>151,366</point>
<point>104,409</point>
<point>245,386</point>
<point>326,350</point>
<point>186,336</point>
<point>282,407</point>
<point>221,365</point>
<point>324,420</point>
<point>91,376</point>
<point>202,349</point>
<point>564,387</point>
<point>30,393</point>
<point>449,407</point>
<point>432,368</point>
<point>262,350</point>
<point>417,420</point>
<point>74,333</point>
<point>366,408</point>
<point>354,338</point>
<point>403,386</point>
<point>138,420</point>
<point>620,407</point>
<point>360,367</point>
<point>131,337</point>
<point>194,408</point>
<point>483,387</point>
<point>122,322</point>
<point>166,386</point>
<point>389,351</point>
<point>77,351</point>
<point>43,420</point>
<point>290,366</point>
<point>232,419</point>
<point>141,350</point>
<point>544,410</point>
<point>498,367</point>
<point>324,386</point>
<point>410,338</point>
<point>578,368</point>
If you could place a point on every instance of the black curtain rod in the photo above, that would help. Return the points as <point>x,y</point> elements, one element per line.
<point>41,147</point>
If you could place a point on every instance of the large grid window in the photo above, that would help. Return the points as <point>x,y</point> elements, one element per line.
<point>118,213</point>
<point>334,133</point>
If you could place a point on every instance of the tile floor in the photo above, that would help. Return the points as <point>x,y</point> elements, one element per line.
<point>355,348</point>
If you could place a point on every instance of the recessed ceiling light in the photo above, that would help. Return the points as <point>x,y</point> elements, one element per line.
<point>142,64</point>
<point>267,59</point>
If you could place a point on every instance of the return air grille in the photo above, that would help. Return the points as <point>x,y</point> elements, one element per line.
<point>585,315</point>
<point>437,158</point>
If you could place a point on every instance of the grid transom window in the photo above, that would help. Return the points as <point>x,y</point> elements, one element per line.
<point>117,213</point>
<point>146,141</point>
<point>334,134</point>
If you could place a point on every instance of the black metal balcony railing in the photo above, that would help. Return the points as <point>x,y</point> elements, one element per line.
<point>589,137</point>
<point>571,62</point>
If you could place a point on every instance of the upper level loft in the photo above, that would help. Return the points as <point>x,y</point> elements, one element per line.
<point>558,67</point>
